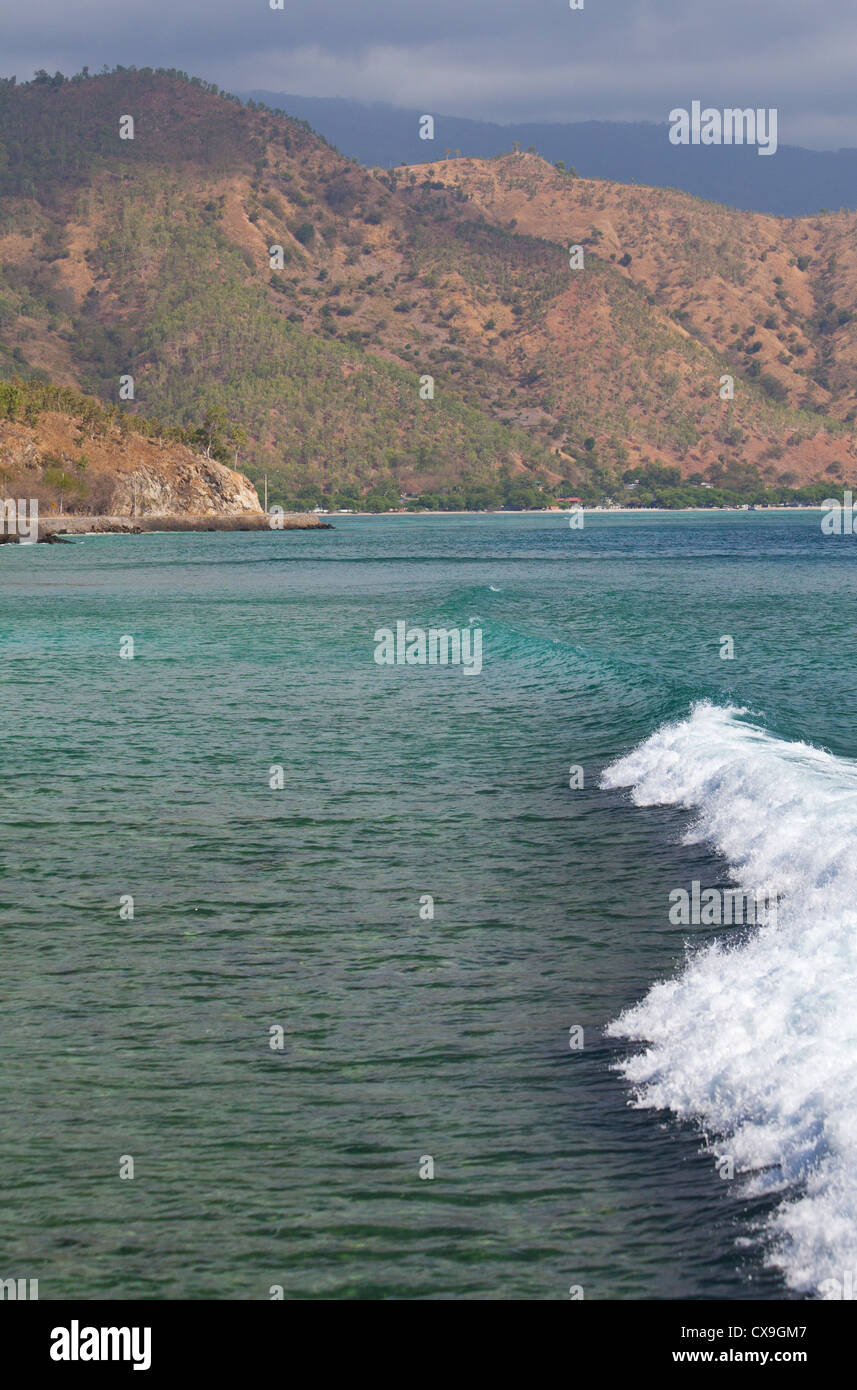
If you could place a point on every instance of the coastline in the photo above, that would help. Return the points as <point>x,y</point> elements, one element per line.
<point>57,530</point>
<point>588,511</point>
<point>54,530</point>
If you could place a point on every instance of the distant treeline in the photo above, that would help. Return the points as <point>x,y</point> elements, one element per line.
<point>518,494</point>
<point>663,486</point>
<point>521,494</point>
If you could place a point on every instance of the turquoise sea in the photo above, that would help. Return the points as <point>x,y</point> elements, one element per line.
<point>403,1038</point>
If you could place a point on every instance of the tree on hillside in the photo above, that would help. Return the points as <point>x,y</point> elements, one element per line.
<point>211,434</point>
<point>238,440</point>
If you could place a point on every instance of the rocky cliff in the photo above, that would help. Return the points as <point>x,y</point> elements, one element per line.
<point>56,462</point>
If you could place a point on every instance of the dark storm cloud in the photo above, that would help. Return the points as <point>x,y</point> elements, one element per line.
<point>495,59</point>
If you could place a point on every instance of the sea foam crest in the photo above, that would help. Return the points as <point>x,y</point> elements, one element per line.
<point>757,1039</point>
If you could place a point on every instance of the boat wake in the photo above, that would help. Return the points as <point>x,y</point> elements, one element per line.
<point>757,1039</point>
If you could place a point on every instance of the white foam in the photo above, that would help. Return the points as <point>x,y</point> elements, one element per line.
<point>757,1037</point>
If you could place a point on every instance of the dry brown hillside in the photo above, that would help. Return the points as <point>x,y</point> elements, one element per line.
<point>153,258</point>
<point>746,287</point>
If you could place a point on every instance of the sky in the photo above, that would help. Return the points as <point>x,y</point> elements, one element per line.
<point>497,60</point>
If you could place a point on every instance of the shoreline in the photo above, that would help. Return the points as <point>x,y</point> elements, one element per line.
<point>54,530</point>
<point>591,511</point>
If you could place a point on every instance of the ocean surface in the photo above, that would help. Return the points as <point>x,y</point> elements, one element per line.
<point>407,1037</point>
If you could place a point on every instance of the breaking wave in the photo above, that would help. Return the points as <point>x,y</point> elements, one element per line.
<point>756,1039</point>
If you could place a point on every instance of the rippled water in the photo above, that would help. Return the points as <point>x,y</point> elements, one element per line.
<point>300,907</point>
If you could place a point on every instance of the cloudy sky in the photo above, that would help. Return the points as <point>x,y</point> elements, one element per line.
<point>499,60</point>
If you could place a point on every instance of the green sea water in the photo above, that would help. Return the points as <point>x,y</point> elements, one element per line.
<point>299,907</point>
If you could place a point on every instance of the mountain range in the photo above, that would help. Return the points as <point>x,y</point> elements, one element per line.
<point>469,329</point>
<point>796,182</point>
